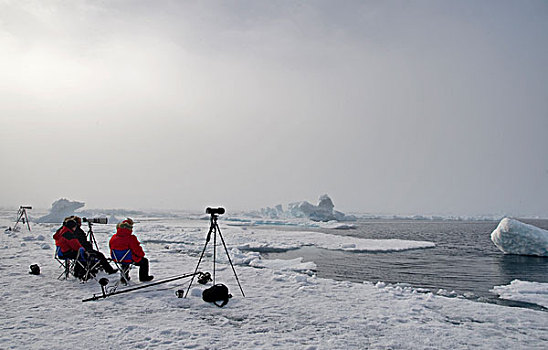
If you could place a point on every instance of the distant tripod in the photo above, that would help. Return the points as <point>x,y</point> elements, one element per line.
<point>22,212</point>
<point>214,228</point>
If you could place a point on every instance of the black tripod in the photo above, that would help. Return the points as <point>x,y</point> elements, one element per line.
<point>22,211</point>
<point>91,237</point>
<point>214,228</point>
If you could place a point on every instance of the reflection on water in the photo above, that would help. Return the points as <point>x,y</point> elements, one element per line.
<point>534,268</point>
<point>464,259</point>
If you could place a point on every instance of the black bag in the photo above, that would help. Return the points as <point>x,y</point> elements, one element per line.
<point>216,293</point>
<point>34,269</point>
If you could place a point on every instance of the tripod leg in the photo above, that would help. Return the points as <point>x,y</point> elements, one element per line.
<point>229,260</point>
<point>199,261</point>
<point>214,250</point>
<point>19,216</point>
<point>28,224</point>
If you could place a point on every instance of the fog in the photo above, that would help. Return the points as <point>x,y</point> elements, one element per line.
<point>423,107</point>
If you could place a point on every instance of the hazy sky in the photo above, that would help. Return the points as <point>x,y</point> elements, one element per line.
<point>387,106</point>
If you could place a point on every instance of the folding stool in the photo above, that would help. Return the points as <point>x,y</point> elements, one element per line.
<point>69,264</point>
<point>123,260</point>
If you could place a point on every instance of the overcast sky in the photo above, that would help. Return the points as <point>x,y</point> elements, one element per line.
<point>416,107</point>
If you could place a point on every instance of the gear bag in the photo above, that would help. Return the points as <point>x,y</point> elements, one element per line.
<point>215,294</point>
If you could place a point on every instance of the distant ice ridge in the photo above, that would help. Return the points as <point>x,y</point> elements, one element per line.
<point>321,212</point>
<point>515,237</point>
<point>60,209</point>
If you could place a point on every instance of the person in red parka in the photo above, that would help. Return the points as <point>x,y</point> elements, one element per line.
<point>123,240</point>
<point>66,240</point>
<point>68,246</point>
<point>70,238</point>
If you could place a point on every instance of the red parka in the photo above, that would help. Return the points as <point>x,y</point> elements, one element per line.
<point>124,239</point>
<point>66,240</point>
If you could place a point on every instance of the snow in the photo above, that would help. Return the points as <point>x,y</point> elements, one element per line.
<point>515,237</point>
<point>262,240</point>
<point>286,305</point>
<point>525,291</point>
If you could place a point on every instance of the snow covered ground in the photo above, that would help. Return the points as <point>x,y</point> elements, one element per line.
<point>286,305</point>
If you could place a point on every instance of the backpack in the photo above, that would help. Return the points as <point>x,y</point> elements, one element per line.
<point>216,293</point>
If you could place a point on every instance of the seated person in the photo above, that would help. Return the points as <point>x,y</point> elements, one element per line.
<point>124,240</point>
<point>90,252</point>
<point>68,246</point>
<point>66,238</point>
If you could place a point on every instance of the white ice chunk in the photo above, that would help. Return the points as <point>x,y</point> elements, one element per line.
<point>296,264</point>
<point>270,241</point>
<point>324,211</point>
<point>60,209</point>
<point>529,292</point>
<point>321,212</point>
<point>515,237</point>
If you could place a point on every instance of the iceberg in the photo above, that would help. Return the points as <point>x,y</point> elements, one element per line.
<point>515,237</point>
<point>321,212</point>
<point>60,209</point>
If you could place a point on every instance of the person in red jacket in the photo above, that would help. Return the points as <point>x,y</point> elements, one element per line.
<point>66,240</point>
<point>70,239</point>
<point>68,246</point>
<point>123,240</point>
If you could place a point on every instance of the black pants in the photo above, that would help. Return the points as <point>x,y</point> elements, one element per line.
<point>91,254</point>
<point>143,269</point>
<point>102,260</point>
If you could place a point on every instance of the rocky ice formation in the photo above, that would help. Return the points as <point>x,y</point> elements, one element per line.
<point>321,212</point>
<point>515,237</point>
<point>60,209</point>
<point>324,211</point>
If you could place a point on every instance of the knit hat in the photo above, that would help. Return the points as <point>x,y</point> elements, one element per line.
<point>70,224</point>
<point>75,218</point>
<point>127,223</point>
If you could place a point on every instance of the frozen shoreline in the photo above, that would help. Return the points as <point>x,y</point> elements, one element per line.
<point>284,307</point>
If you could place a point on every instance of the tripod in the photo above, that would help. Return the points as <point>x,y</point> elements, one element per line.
<point>91,236</point>
<point>214,228</point>
<point>22,211</point>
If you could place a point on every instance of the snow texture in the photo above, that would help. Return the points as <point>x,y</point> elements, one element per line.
<point>515,237</point>
<point>286,305</point>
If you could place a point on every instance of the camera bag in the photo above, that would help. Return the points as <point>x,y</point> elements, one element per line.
<point>215,294</point>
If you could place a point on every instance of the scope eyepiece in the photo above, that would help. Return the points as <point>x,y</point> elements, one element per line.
<point>215,211</point>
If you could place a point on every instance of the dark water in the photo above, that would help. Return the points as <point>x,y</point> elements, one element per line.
<point>464,259</point>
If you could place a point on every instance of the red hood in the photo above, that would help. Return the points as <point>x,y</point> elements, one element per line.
<point>124,232</point>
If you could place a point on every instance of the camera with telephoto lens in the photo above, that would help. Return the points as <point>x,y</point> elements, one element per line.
<point>25,207</point>
<point>215,211</point>
<point>96,220</point>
